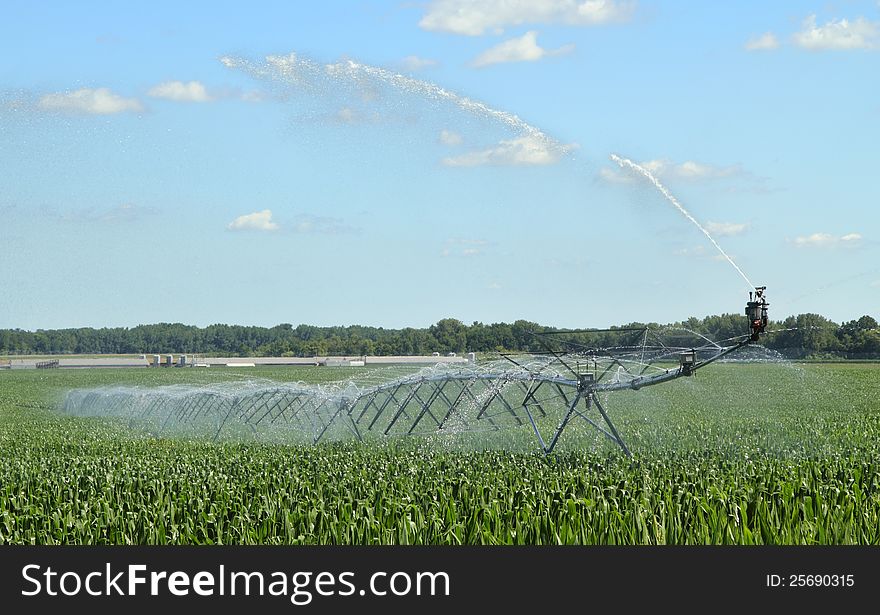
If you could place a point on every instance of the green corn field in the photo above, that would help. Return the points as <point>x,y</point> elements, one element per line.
<point>741,454</point>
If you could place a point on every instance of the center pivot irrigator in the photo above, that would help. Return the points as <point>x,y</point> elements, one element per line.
<point>542,391</point>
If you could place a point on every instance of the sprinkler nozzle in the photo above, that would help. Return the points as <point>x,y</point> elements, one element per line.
<point>756,310</point>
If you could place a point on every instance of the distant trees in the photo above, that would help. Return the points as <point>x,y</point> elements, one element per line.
<point>450,333</point>
<point>860,337</point>
<point>804,335</point>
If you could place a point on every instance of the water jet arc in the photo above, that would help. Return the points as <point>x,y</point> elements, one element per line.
<point>626,163</point>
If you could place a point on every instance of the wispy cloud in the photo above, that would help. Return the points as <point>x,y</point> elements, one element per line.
<point>476,18</point>
<point>726,229</point>
<point>100,101</point>
<point>523,151</point>
<point>351,115</point>
<point>346,115</point>
<point>827,240</point>
<point>191,91</point>
<point>450,138</point>
<point>614,176</point>
<point>695,170</point>
<point>253,96</point>
<point>694,251</point>
<point>256,221</point>
<point>522,49</point>
<point>838,35</point>
<point>414,64</point>
<point>765,42</point>
<point>665,169</point>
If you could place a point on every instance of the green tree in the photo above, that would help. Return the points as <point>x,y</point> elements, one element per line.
<point>451,335</point>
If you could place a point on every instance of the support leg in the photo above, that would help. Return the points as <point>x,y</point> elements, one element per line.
<point>565,419</point>
<point>613,429</point>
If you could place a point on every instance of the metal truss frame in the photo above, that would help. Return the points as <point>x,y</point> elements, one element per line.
<point>544,391</point>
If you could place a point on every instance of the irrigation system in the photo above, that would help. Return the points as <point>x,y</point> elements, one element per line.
<point>543,391</point>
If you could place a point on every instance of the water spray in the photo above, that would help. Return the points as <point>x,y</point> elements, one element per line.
<point>317,79</point>
<point>626,163</point>
<point>540,392</point>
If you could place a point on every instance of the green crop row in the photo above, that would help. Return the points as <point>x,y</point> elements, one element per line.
<point>744,454</point>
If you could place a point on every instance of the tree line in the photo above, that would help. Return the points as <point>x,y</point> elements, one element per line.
<point>801,336</point>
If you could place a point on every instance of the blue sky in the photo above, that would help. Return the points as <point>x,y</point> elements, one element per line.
<point>394,163</point>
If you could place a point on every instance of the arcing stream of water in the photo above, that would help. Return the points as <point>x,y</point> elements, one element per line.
<point>300,73</point>
<point>626,163</point>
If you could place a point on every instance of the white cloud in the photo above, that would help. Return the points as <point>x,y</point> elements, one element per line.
<point>695,170</point>
<point>827,240</point>
<point>728,229</point>
<point>192,91</point>
<point>447,137</point>
<point>257,221</point>
<point>415,63</point>
<point>661,168</point>
<point>522,49</point>
<point>100,101</point>
<point>526,150</point>
<point>494,286</point>
<point>765,42</point>
<point>476,18</point>
<point>843,34</point>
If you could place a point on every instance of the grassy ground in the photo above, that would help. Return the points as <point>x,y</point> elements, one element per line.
<point>741,453</point>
